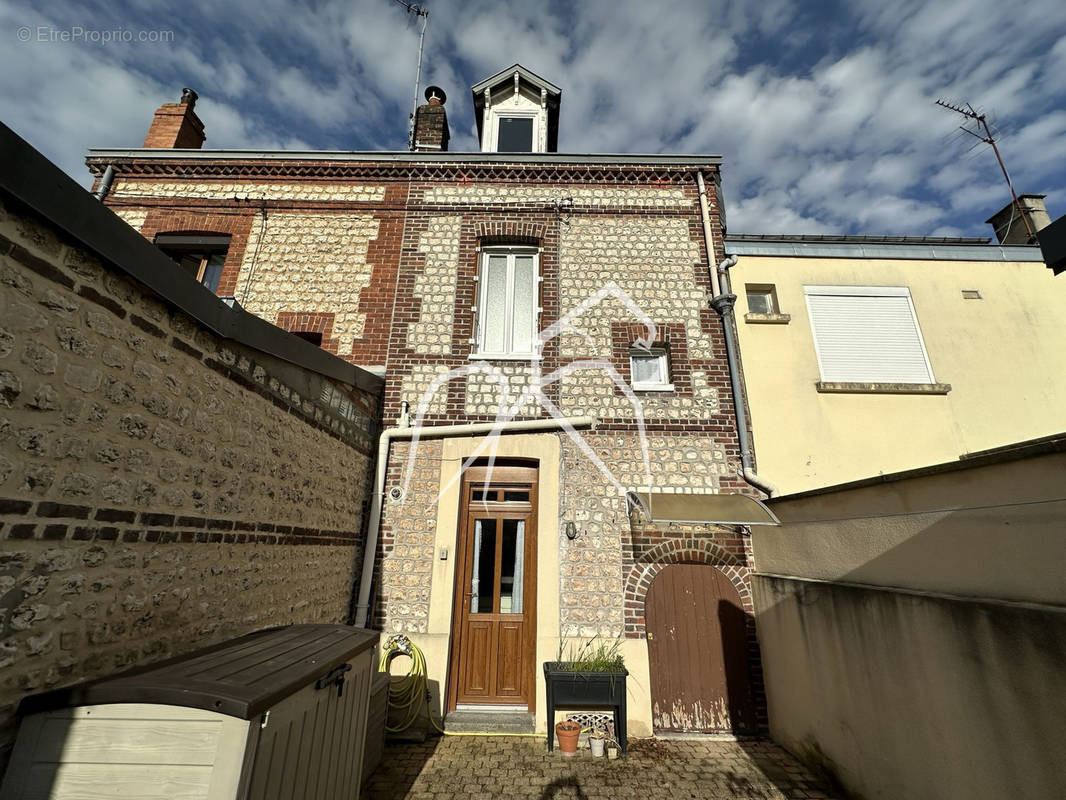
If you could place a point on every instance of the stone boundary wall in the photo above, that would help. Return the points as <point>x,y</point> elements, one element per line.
<point>161,489</point>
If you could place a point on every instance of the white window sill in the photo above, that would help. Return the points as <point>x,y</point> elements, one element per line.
<point>767,319</point>
<point>851,387</point>
<point>503,357</point>
<point>653,387</point>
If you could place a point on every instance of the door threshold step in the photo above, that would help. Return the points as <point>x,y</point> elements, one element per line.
<point>463,721</point>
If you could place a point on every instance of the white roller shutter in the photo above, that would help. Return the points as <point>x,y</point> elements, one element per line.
<point>867,334</point>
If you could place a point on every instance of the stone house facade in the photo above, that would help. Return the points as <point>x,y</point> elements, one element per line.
<point>563,299</point>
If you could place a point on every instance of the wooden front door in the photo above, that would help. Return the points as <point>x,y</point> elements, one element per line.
<point>698,652</point>
<point>494,632</point>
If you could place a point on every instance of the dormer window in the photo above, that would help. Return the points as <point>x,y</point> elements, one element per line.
<point>514,134</point>
<point>517,112</point>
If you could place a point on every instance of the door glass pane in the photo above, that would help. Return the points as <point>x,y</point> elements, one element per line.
<point>512,565</point>
<point>516,135</point>
<point>525,283</point>
<point>494,311</point>
<point>483,575</point>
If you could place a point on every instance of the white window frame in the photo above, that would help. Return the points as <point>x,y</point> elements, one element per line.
<point>865,291</point>
<point>494,134</point>
<point>508,310</point>
<point>663,384</point>
<point>768,290</point>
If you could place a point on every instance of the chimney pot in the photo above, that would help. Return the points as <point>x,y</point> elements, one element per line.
<point>435,96</point>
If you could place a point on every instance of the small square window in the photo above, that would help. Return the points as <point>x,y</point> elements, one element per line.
<point>762,298</point>
<point>649,370</point>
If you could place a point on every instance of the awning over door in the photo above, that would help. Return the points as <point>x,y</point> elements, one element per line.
<point>720,509</point>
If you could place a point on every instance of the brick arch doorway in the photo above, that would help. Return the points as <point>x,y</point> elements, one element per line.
<point>698,652</point>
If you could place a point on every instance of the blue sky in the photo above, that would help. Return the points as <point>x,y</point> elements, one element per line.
<point>823,111</point>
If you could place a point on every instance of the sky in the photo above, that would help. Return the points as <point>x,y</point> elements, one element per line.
<point>823,112</point>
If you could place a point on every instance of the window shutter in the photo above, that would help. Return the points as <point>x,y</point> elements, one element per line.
<point>867,337</point>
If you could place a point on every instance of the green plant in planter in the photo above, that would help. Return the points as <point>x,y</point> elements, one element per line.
<point>595,655</point>
<point>589,675</point>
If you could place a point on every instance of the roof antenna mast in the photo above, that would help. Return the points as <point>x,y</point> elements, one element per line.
<point>969,112</point>
<point>418,11</point>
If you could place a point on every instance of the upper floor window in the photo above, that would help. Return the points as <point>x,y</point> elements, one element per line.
<point>649,369</point>
<point>507,302</point>
<point>517,111</point>
<point>200,256</point>
<point>514,134</point>
<point>762,298</point>
<point>867,334</point>
<point>762,305</point>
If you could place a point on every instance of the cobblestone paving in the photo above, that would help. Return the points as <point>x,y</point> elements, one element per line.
<point>486,768</point>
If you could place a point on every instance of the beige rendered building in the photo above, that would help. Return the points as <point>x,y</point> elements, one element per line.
<point>870,355</point>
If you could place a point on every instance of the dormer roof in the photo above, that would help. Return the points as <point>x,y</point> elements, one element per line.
<point>528,79</point>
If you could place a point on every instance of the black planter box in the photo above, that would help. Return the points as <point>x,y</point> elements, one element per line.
<point>585,690</point>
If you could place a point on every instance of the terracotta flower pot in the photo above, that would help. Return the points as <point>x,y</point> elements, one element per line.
<point>568,732</point>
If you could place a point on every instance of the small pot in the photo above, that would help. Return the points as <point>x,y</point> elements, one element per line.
<point>612,752</point>
<point>596,743</point>
<point>568,732</point>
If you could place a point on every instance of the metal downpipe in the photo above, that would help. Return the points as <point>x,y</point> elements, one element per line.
<point>105,183</point>
<point>724,304</point>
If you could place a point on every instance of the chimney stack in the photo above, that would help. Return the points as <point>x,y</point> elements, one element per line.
<point>1009,222</point>
<point>176,125</point>
<point>431,123</point>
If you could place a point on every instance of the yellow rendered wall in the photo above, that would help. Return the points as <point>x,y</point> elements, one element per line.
<point>1003,355</point>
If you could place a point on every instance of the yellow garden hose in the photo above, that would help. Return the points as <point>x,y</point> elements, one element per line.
<point>406,693</point>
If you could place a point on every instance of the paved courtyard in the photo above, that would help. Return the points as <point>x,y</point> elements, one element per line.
<point>486,768</point>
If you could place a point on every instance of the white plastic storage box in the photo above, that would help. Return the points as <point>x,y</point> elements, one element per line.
<point>277,714</point>
<point>375,723</point>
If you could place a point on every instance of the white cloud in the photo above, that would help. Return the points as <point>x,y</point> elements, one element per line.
<point>827,124</point>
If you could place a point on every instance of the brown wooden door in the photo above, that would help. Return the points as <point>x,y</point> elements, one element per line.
<point>698,652</point>
<point>495,621</point>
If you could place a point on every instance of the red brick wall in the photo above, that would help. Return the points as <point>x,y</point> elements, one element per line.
<point>175,125</point>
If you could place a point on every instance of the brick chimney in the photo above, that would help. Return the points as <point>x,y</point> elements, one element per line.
<point>176,125</point>
<point>1009,224</point>
<point>431,123</point>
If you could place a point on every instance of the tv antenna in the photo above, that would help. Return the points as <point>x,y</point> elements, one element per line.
<point>969,112</point>
<point>423,12</point>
